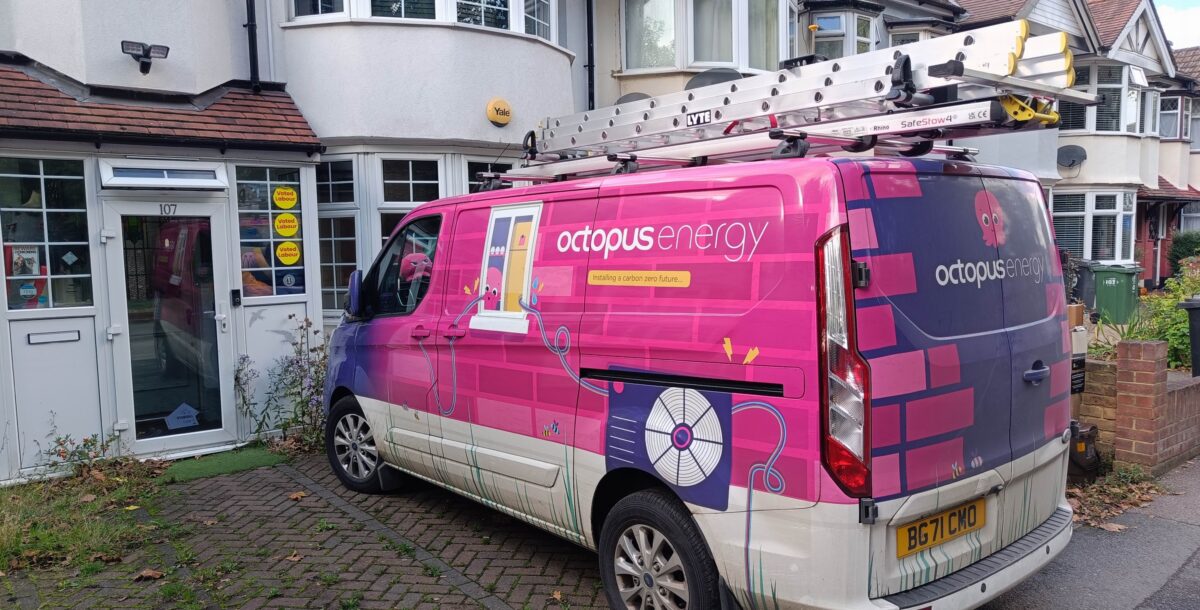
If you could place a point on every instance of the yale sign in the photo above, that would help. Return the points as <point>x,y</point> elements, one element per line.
<point>499,112</point>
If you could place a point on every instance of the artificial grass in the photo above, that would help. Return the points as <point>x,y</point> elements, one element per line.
<point>226,462</point>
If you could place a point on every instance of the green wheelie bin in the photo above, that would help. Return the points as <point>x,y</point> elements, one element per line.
<point>1117,292</point>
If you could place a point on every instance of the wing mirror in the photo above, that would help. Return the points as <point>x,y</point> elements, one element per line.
<point>354,303</point>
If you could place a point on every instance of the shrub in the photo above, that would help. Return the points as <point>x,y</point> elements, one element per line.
<point>297,384</point>
<point>1185,244</point>
<point>1162,320</point>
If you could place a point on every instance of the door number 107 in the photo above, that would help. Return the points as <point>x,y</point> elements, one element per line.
<point>168,209</point>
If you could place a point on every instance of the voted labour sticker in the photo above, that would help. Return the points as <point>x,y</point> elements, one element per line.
<point>288,253</point>
<point>285,197</point>
<point>286,224</point>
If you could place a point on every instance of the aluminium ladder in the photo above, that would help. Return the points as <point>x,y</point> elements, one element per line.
<point>902,99</point>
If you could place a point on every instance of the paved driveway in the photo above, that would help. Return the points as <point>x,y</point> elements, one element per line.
<point>249,545</point>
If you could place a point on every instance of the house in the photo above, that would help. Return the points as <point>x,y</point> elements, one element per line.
<point>181,182</point>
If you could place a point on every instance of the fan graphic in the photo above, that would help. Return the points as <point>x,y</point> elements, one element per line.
<point>683,437</point>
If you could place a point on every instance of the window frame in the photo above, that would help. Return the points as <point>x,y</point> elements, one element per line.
<point>371,278</point>
<point>96,275</point>
<point>298,210</point>
<point>467,178</point>
<point>1121,242</point>
<point>341,209</point>
<point>1185,215</point>
<point>848,32</point>
<point>1130,97</point>
<point>331,15</point>
<point>507,321</point>
<point>683,15</point>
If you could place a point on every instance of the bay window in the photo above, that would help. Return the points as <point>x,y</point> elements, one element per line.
<point>1175,118</point>
<point>899,38</point>
<point>537,18</point>
<point>1095,226</point>
<point>842,34</point>
<point>404,9</point>
<point>764,34</point>
<point>488,13</point>
<point>712,30</point>
<point>305,8</point>
<point>649,34</point>
<point>1120,108</point>
<point>830,36</point>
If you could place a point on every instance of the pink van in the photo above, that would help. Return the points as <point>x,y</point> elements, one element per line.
<point>816,383</point>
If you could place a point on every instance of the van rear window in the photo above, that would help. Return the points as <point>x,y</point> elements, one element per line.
<point>931,251</point>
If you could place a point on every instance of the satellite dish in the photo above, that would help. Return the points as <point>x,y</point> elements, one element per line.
<point>632,97</point>
<point>712,76</point>
<point>1071,156</point>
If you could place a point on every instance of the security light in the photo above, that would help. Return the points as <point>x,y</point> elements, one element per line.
<point>143,53</point>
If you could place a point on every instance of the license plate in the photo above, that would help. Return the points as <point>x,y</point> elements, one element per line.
<point>942,527</point>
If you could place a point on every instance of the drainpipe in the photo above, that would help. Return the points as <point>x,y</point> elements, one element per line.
<point>252,41</point>
<point>591,55</point>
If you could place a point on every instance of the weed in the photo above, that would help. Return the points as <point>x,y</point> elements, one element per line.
<point>273,593</point>
<point>183,554</point>
<point>328,579</point>
<point>323,525</point>
<point>177,592</point>
<point>351,603</point>
<point>490,587</point>
<point>91,568</point>
<point>431,570</point>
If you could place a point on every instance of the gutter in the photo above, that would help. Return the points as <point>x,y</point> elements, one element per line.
<point>590,66</point>
<point>101,138</point>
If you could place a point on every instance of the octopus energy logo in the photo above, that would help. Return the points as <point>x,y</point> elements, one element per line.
<point>736,240</point>
<point>978,272</point>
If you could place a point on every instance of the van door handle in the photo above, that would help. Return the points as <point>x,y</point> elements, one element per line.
<point>453,331</point>
<point>420,332</point>
<point>1037,374</point>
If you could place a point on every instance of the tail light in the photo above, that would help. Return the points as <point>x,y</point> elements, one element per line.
<point>844,375</point>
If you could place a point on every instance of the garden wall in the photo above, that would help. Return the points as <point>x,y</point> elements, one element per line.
<point>1146,415</point>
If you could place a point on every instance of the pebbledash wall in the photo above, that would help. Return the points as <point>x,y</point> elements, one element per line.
<point>1146,415</point>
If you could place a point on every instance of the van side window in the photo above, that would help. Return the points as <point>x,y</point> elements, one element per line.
<point>406,266</point>
<point>504,287</point>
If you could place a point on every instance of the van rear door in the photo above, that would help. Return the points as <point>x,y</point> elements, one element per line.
<point>1035,315</point>
<point>932,326</point>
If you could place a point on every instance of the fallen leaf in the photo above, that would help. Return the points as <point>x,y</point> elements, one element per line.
<point>99,476</point>
<point>210,522</point>
<point>296,495</point>
<point>1111,527</point>
<point>295,556</point>
<point>148,574</point>
<point>106,558</point>
<point>557,595</point>
<point>132,507</point>
<point>85,498</point>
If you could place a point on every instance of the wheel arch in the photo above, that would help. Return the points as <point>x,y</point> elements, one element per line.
<point>618,484</point>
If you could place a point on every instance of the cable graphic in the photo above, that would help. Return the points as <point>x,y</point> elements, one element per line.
<point>771,478</point>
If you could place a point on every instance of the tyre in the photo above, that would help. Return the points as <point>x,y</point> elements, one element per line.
<point>652,556</point>
<point>350,445</point>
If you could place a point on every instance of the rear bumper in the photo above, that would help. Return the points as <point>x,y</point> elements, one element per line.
<point>992,576</point>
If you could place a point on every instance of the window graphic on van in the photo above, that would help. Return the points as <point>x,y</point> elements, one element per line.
<point>507,266</point>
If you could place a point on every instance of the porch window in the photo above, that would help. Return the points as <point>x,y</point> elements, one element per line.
<point>270,228</point>
<point>44,231</point>
<point>1095,226</point>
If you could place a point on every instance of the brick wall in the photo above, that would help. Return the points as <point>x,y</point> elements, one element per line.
<point>1098,406</point>
<point>1156,424</point>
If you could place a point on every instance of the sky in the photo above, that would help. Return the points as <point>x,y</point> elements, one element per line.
<point>1181,20</point>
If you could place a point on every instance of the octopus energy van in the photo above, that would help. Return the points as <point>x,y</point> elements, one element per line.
<point>804,382</point>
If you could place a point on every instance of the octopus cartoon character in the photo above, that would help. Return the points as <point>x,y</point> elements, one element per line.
<point>415,267</point>
<point>491,288</point>
<point>991,218</point>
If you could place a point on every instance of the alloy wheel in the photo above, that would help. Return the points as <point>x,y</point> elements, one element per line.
<point>650,573</point>
<point>354,447</point>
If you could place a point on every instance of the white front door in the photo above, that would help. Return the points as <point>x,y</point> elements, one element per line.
<point>169,288</point>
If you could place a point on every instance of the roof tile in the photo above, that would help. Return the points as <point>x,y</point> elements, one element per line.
<point>979,11</point>
<point>1166,190</point>
<point>1187,61</point>
<point>1110,17</point>
<point>238,116</point>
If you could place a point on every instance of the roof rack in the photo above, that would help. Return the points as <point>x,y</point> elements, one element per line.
<point>900,100</point>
